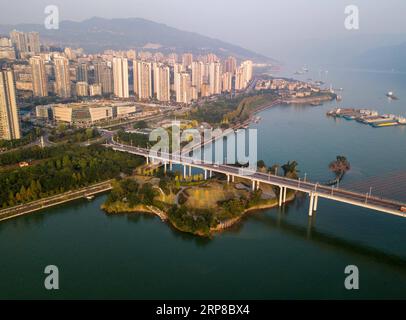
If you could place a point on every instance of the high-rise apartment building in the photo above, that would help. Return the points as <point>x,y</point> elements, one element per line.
<point>82,89</point>
<point>187,59</point>
<point>243,75</point>
<point>184,88</point>
<point>120,77</point>
<point>247,71</point>
<point>239,79</point>
<point>103,76</point>
<point>25,42</point>
<point>33,43</point>
<point>39,77</point>
<point>197,74</point>
<point>143,85</point>
<point>62,77</point>
<point>162,82</point>
<point>177,70</point>
<point>226,82</point>
<point>230,65</point>
<point>9,118</point>
<point>211,57</point>
<point>82,73</point>
<point>95,90</point>
<point>5,42</point>
<point>215,77</point>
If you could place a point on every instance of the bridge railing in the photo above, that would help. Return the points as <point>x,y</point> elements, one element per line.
<point>312,186</point>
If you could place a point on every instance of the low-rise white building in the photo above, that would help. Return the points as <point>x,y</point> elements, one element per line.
<point>81,114</point>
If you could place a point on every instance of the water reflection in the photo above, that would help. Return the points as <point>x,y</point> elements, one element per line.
<point>310,233</point>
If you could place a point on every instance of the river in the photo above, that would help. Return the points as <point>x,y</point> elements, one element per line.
<point>273,254</point>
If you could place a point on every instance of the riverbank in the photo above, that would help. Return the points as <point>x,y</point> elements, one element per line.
<point>260,207</point>
<point>311,99</point>
<point>298,101</point>
<point>55,200</point>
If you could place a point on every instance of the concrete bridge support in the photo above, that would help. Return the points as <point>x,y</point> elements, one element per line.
<point>316,200</point>
<point>170,165</point>
<point>165,165</point>
<point>281,191</point>
<point>253,185</point>
<point>184,171</point>
<point>190,171</point>
<point>285,190</point>
<point>205,174</point>
<point>311,206</point>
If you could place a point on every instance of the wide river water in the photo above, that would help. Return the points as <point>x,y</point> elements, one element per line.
<point>273,254</point>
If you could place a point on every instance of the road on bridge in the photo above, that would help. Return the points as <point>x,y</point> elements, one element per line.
<point>342,195</point>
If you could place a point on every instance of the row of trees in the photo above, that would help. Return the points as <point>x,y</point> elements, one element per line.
<point>135,139</point>
<point>74,168</point>
<point>26,139</point>
<point>129,191</point>
<point>33,153</point>
<point>214,112</point>
<point>192,220</point>
<point>289,169</point>
<point>74,135</point>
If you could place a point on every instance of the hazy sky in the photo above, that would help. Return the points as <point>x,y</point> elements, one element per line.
<point>261,25</point>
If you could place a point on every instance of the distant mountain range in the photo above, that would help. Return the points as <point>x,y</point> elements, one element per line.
<point>367,51</point>
<point>97,34</point>
<point>384,58</point>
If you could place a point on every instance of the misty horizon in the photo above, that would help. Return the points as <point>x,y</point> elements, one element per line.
<point>273,28</point>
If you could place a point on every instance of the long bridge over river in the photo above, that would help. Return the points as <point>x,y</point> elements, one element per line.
<point>314,190</point>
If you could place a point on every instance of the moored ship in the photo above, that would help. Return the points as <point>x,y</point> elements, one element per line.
<point>391,95</point>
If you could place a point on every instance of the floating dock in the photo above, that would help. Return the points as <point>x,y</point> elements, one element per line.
<point>367,116</point>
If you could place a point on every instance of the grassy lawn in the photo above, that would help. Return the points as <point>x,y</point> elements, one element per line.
<point>206,197</point>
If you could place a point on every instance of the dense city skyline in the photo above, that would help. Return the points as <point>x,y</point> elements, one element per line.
<point>279,20</point>
<point>37,71</point>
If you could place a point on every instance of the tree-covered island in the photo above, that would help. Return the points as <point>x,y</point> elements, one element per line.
<point>191,204</point>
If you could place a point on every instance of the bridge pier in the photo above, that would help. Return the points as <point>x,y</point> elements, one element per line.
<point>253,185</point>
<point>164,166</point>
<point>281,195</point>
<point>190,170</point>
<point>147,159</point>
<point>228,178</point>
<point>285,190</point>
<point>311,204</point>
<point>257,185</point>
<point>184,171</point>
<point>316,200</point>
<point>232,179</point>
<point>170,165</point>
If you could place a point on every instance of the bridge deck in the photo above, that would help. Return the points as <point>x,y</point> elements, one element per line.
<point>341,195</point>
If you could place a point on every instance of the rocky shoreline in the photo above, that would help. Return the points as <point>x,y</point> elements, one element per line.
<point>143,209</point>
